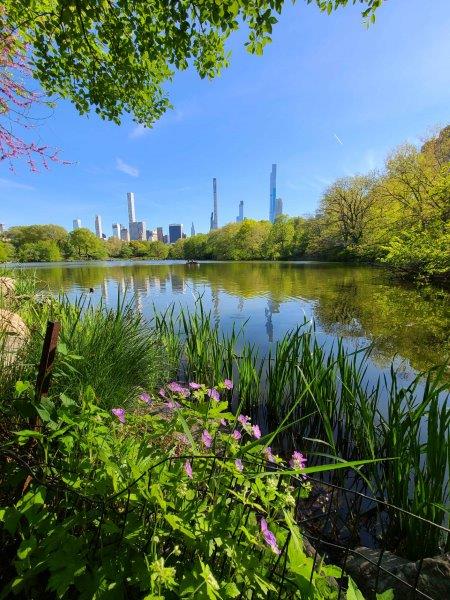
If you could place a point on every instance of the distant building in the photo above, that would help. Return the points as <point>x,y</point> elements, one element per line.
<point>184,236</point>
<point>175,232</point>
<point>278,208</point>
<point>165,239</point>
<point>124,234</point>
<point>76,224</point>
<point>138,231</point>
<point>2,228</point>
<point>152,235</point>
<point>214,224</point>
<point>131,210</point>
<point>116,230</point>
<point>160,234</point>
<point>272,193</point>
<point>240,216</point>
<point>192,229</point>
<point>98,226</point>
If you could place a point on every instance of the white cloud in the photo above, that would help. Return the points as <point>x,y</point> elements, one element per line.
<point>8,183</point>
<point>138,131</point>
<point>125,168</point>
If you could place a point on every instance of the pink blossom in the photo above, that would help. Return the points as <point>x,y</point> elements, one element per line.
<point>172,405</point>
<point>145,398</point>
<point>256,431</point>
<point>268,454</point>
<point>213,393</point>
<point>228,384</point>
<point>298,461</point>
<point>239,465</point>
<point>236,435</point>
<point>119,413</point>
<point>223,422</point>
<point>188,469</point>
<point>176,388</point>
<point>243,420</point>
<point>162,392</point>
<point>206,438</point>
<point>194,386</point>
<point>269,538</point>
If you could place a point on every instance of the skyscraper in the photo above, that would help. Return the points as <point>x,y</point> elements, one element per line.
<point>240,216</point>
<point>175,232</point>
<point>138,231</point>
<point>278,208</point>
<point>273,192</point>
<point>131,210</point>
<point>160,233</point>
<point>192,229</point>
<point>214,215</point>
<point>98,226</point>
<point>76,224</point>
<point>116,230</point>
<point>124,234</point>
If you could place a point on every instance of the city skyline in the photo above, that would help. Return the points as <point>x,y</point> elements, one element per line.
<point>256,113</point>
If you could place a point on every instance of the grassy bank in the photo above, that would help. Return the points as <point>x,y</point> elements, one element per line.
<point>121,485</point>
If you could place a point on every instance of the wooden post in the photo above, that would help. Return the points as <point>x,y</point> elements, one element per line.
<point>47,359</point>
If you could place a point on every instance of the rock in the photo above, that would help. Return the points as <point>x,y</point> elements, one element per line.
<point>434,578</point>
<point>7,287</point>
<point>14,334</point>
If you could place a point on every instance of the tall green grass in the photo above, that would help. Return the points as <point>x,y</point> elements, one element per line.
<point>339,414</point>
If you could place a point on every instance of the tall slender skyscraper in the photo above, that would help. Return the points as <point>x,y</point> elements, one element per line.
<point>278,208</point>
<point>215,217</point>
<point>76,224</point>
<point>192,229</point>
<point>131,211</point>
<point>116,230</point>
<point>98,226</point>
<point>273,193</point>
<point>240,216</point>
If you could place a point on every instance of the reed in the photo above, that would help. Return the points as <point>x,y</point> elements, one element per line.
<point>334,411</point>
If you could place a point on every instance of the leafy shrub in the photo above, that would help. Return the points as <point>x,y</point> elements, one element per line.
<point>177,498</point>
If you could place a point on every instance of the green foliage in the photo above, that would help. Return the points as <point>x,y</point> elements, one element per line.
<point>156,502</point>
<point>416,252</point>
<point>86,245</point>
<point>28,234</point>
<point>118,57</point>
<point>6,251</point>
<point>42,251</point>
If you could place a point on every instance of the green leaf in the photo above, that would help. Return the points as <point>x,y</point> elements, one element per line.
<point>353,592</point>
<point>26,547</point>
<point>386,595</point>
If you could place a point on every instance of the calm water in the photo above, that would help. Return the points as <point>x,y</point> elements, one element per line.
<point>360,304</point>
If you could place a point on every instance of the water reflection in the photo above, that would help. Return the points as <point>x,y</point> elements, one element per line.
<point>359,304</point>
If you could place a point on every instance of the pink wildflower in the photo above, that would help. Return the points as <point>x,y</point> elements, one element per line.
<point>269,538</point>
<point>194,386</point>
<point>243,420</point>
<point>228,384</point>
<point>119,413</point>
<point>172,405</point>
<point>162,392</point>
<point>145,398</point>
<point>236,435</point>
<point>176,388</point>
<point>223,422</point>
<point>213,394</point>
<point>188,469</point>
<point>268,454</point>
<point>298,461</point>
<point>256,431</point>
<point>206,438</point>
<point>239,465</point>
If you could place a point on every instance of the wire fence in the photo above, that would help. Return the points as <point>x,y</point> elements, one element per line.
<point>340,526</point>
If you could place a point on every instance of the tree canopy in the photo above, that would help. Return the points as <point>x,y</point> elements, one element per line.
<point>117,56</point>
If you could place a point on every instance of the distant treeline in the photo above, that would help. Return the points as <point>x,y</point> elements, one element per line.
<point>398,217</point>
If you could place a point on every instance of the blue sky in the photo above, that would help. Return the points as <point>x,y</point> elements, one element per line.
<point>323,76</point>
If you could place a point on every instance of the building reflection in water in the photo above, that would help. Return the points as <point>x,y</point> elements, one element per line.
<point>215,303</point>
<point>178,286</point>
<point>273,307</point>
<point>241,304</point>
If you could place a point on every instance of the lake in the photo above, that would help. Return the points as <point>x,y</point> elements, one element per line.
<point>360,304</point>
